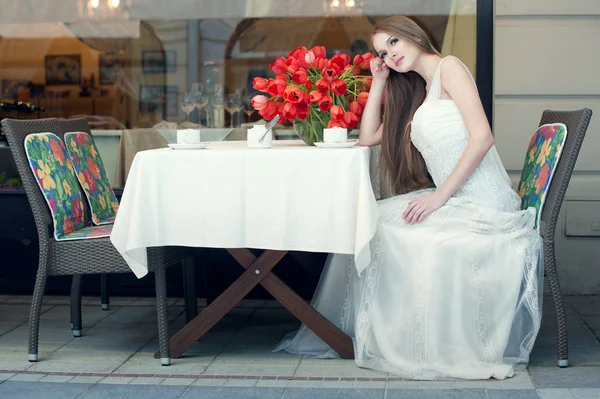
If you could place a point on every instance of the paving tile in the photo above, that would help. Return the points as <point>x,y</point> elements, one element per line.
<point>6,376</point>
<point>402,384</point>
<point>255,355</point>
<point>258,370</point>
<point>86,380</point>
<point>571,377</point>
<point>307,371</point>
<point>147,380</point>
<point>512,394</point>
<point>156,368</point>
<point>272,383</point>
<point>27,377</point>
<point>555,394</point>
<point>234,392</point>
<point>117,380</point>
<point>593,393</point>
<point>246,382</point>
<point>178,381</point>
<point>576,338</point>
<point>593,321</point>
<point>102,391</point>
<point>588,355</point>
<point>321,393</point>
<point>209,382</point>
<point>74,367</point>
<point>305,384</point>
<point>32,390</point>
<point>436,394</point>
<point>56,378</point>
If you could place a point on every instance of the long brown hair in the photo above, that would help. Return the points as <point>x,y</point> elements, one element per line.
<point>402,164</point>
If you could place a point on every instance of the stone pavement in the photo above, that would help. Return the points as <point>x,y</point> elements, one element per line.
<point>114,358</point>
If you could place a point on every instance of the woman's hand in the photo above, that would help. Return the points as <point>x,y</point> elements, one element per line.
<point>379,69</point>
<point>422,206</point>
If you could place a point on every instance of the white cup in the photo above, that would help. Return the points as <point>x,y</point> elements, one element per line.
<point>335,135</point>
<point>188,136</point>
<point>256,133</point>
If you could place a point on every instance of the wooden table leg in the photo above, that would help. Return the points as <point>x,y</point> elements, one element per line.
<point>333,336</point>
<point>196,328</point>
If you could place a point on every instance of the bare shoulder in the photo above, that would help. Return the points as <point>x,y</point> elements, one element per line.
<point>455,75</point>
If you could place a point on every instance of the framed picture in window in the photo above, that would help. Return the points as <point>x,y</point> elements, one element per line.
<point>63,70</point>
<point>159,61</point>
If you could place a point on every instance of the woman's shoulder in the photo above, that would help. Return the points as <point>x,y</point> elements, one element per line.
<point>454,72</point>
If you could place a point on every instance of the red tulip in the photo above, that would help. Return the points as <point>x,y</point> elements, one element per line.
<point>362,98</point>
<point>276,87</point>
<point>325,103</point>
<point>303,110</point>
<point>259,102</point>
<point>356,108</point>
<point>340,60</point>
<point>260,84</point>
<point>308,85</point>
<point>315,96</point>
<point>292,65</point>
<point>320,63</point>
<point>358,60</point>
<point>300,77</point>
<point>295,53</point>
<point>319,52</point>
<point>350,119</point>
<point>289,111</point>
<point>330,73</point>
<point>333,123</point>
<point>367,57</point>
<point>282,76</point>
<point>339,87</point>
<point>279,65</point>
<point>322,86</point>
<point>269,112</point>
<point>336,112</point>
<point>293,95</point>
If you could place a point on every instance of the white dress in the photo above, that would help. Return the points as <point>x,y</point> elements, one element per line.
<point>455,296</point>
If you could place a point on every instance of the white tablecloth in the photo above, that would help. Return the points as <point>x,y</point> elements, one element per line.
<point>289,197</point>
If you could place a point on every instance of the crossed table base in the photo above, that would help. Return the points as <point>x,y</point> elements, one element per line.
<point>259,271</point>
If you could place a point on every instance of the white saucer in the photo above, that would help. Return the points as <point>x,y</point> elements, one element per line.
<point>337,144</point>
<point>188,146</point>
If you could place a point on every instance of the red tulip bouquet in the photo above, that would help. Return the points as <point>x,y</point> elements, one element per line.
<point>314,92</point>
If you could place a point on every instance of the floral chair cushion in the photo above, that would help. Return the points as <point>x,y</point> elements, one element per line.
<point>90,232</point>
<point>54,173</point>
<point>545,149</point>
<point>92,176</point>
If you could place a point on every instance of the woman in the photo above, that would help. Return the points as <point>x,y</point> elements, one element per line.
<point>453,289</point>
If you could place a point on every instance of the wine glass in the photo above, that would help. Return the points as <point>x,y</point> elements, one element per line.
<point>200,98</point>
<point>248,108</point>
<point>218,104</point>
<point>188,104</point>
<point>233,105</point>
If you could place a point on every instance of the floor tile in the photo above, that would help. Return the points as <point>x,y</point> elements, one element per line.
<point>436,394</point>
<point>103,391</point>
<point>584,393</point>
<point>178,381</point>
<point>56,378</point>
<point>555,394</point>
<point>74,367</point>
<point>320,393</point>
<point>147,380</point>
<point>27,377</point>
<point>571,377</point>
<point>32,390</point>
<point>257,370</point>
<point>6,376</point>
<point>234,392</point>
<point>512,394</point>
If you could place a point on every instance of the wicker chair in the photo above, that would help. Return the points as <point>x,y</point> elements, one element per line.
<point>577,123</point>
<point>189,284</point>
<point>79,257</point>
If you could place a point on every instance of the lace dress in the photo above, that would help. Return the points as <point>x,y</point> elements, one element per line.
<point>455,296</point>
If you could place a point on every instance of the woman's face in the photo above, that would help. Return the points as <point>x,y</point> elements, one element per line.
<point>398,54</point>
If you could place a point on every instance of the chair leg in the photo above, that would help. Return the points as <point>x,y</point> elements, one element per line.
<point>76,305</point>
<point>104,301</point>
<point>36,310</point>
<point>559,309</point>
<point>189,288</point>
<point>161,310</point>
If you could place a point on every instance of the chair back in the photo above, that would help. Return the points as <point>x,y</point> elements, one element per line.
<point>16,131</point>
<point>559,155</point>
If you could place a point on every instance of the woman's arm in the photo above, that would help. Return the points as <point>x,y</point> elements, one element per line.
<point>371,128</point>
<point>457,82</point>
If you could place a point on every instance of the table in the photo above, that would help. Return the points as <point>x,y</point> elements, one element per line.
<point>291,197</point>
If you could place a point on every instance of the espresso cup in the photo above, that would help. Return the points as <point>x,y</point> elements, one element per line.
<point>256,133</point>
<point>188,136</point>
<point>335,135</point>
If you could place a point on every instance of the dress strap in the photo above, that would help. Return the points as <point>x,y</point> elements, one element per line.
<point>436,85</point>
